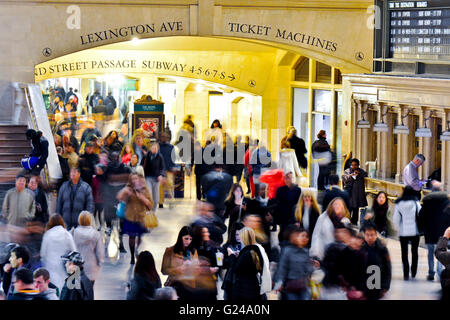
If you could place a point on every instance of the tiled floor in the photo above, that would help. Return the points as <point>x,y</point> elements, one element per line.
<point>111,284</point>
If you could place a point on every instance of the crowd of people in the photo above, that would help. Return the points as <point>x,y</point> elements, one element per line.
<point>325,246</point>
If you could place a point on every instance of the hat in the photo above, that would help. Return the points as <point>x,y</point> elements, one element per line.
<point>90,144</point>
<point>74,257</point>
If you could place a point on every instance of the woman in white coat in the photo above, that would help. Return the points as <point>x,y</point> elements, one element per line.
<point>57,242</point>
<point>407,209</point>
<point>288,162</point>
<point>90,245</point>
<point>323,234</point>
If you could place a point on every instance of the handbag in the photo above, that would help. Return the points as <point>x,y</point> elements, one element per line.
<point>121,209</point>
<point>150,220</point>
<point>295,286</point>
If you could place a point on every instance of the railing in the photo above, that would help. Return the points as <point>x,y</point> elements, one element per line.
<point>34,123</point>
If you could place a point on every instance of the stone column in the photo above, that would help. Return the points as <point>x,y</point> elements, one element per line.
<point>429,147</point>
<point>366,143</point>
<point>422,141</point>
<point>445,156</point>
<point>404,146</point>
<point>358,132</point>
<point>384,145</point>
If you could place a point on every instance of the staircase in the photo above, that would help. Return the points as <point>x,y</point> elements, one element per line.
<point>13,146</point>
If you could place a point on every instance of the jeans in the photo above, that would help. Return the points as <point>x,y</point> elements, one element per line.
<point>304,295</point>
<point>153,185</point>
<point>404,241</point>
<point>431,247</point>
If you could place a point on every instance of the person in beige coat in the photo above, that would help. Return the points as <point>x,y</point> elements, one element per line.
<point>18,205</point>
<point>288,162</point>
<point>90,244</point>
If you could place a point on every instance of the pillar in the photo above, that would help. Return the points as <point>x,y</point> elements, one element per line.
<point>445,166</point>
<point>384,145</point>
<point>429,147</point>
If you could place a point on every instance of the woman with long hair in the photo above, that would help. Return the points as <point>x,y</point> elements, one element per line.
<point>112,143</point>
<point>175,256</point>
<point>248,263</point>
<point>235,205</point>
<point>406,213</point>
<point>146,279</point>
<point>380,210</point>
<point>126,153</point>
<point>323,234</point>
<point>57,242</point>
<point>135,166</point>
<point>138,200</point>
<point>307,211</point>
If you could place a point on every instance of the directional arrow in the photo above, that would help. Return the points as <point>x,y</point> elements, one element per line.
<point>232,77</point>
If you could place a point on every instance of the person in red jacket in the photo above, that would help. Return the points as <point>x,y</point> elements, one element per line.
<point>248,167</point>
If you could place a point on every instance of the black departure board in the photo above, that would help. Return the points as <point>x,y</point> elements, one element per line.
<point>419,29</point>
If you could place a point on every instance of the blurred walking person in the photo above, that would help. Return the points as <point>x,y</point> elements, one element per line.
<point>406,213</point>
<point>146,279</point>
<point>90,245</point>
<point>138,201</point>
<point>355,185</point>
<point>154,169</point>
<point>57,242</point>
<point>322,151</point>
<point>19,205</point>
<point>307,212</point>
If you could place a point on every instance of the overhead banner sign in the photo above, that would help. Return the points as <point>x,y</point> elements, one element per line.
<point>225,68</point>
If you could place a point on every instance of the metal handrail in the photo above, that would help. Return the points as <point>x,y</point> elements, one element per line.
<point>34,124</point>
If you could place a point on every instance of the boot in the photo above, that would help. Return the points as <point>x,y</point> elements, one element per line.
<point>121,247</point>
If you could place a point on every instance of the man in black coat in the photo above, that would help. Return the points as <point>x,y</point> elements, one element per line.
<point>321,150</point>
<point>216,185</point>
<point>77,286</point>
<point>375,254</point>
<point>298,144</point>
<point>355,185</point>
<point>433,219</point>
<point>334,192</point>
<point>87,163</point>
<point>155,171</point>
<point>286,200</point>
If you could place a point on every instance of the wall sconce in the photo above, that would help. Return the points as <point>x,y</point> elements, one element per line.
<point>424,132</point>
<point>445,136</point>
<point>402,129</point>
<point>363,124</point>
<point>381,126</point>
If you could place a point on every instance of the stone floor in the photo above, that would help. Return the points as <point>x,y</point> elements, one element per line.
<point>111,284</point>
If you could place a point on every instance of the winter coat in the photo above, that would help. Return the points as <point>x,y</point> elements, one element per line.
<point>40,149</point>
<point>355,187</point>
<point>56,243</point>
<point>142,288</point>
<point>443,255</point>
<point>245,283</point>
<point>335,192</point>
<point>331,264</point>
<point>170,264</point>
<point>266,278</point>
<point>18,207</point>
<point>166,150</point>
<point>232,212</point>
<point>259,156</point>
<point>25,295</point>
<point>136,209</point>
<point>299,146</point>
<point>323,235</point>
<point>50,294</point>
<point>286,201</point>
<point>274,180</point>
<point>86,292</point>
<point>87,163</point>
<point>432,216</point>
<point>377,255</point>
<point>90,245</point>
<point>313,216</point>
<point>216,186</point>
<point>215,226</point>
<point>405,217</point>
<point>70,204</point>
<point>294,264</point>
<point>288,163</point>
<point>40,200</point>
<point>153,165</point>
